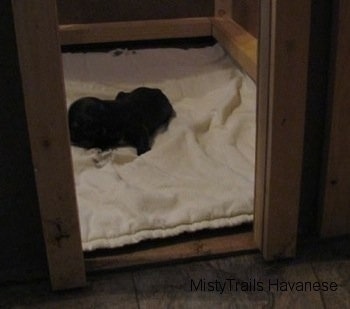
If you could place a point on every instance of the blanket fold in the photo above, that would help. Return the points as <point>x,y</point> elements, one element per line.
<point>200,171</point>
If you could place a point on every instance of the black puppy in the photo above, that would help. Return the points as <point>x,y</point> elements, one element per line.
<point>131,119</point>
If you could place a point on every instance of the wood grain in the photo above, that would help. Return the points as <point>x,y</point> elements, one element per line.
<point>179,251</point>
<point>134,30</point>
<point>286,77</point>
<point>44,97</point>
<point>262,121</point>
<point>239,44</point>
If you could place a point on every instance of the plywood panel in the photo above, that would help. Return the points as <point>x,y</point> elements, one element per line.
<point>44,97</point>
<point>336,202</point>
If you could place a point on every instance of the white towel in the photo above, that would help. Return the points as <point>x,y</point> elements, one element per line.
<point>200,171</point>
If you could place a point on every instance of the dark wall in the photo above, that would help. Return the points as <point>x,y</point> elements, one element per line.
<point>319,63</point>
<point>22,249</point>
<point>85,11</point>
<point>245,12</point>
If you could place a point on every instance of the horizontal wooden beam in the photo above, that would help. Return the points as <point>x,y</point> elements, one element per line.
<point>218,245</point>
<point>240,44</point>
<point>134,30</point>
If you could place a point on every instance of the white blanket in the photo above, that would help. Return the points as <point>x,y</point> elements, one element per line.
<point>200,171</point>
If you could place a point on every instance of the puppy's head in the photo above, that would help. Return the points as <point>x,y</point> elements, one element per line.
<point>86,119</point>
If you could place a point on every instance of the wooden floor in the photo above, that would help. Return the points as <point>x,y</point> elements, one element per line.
<point>169,286</point>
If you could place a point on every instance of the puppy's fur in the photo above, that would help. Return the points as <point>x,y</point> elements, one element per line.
<point>131,119</point>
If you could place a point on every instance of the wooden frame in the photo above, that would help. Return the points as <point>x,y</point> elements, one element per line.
<point>282,89</point>
<point>283,55</point>
<point>178,251</point>
<point>42,76</point>
<point>241,45</point>
<point>134,30</point>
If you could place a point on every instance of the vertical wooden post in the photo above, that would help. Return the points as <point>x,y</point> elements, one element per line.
<point>44,97</point>
<point>335,218</point>
<point>223,8</point>
<point>262,117</point>
<point>283,67</point>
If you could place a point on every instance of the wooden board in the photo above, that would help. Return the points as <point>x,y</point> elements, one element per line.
<point>284,71</point>
<point>189,249</point>
<point>240,44</point>
<point>44,96</point>
<point>134,30</point>
<point>262,124</point>
<point>335,219</point>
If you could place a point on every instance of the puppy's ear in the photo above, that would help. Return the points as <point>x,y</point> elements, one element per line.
<point>121,95</point>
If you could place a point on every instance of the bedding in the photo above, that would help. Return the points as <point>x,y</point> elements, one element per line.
<point>199,173</point>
